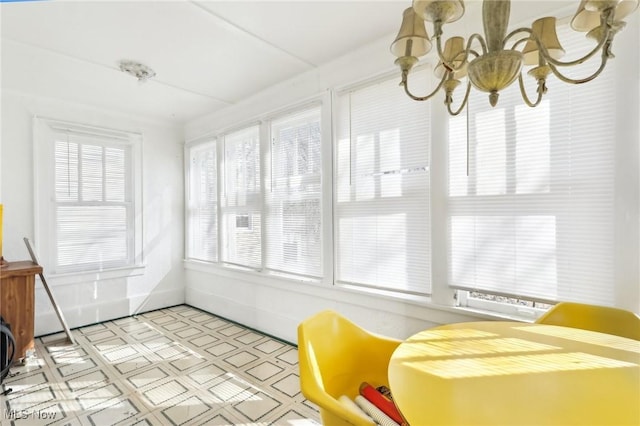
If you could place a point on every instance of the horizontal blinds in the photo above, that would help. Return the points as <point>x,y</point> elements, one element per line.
<point>93,207</point>
<point>534,217</point>
<point>90,237</point>
<point>203,203</point>
<point>293,199</point>
<point>382,220</point>
<point>241,211</point>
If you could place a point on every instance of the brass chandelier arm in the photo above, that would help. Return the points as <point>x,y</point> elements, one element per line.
<point>463,104</point>
<point>541,91</point>
<point>522,40</point>
<point>554,70</point>
<point>545,53</point>
<point>604,43</point>
<point>468,51</point>
<point>404,83</point>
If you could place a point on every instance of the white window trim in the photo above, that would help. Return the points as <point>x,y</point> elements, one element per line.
<point>189,147</point>
<point>363,84</point>
<point>624,289</point>
<point>59,280</point>
<point>267,181</point>
<point>255,204</point>
<point>43,193</point>
<point>322,100</point>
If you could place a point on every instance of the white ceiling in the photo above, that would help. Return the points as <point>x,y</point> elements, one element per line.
<point>207,54</point>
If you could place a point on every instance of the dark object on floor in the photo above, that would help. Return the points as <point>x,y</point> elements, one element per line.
<point>7,349</point>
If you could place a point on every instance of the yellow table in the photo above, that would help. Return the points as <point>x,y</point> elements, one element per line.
<point>510,373</point>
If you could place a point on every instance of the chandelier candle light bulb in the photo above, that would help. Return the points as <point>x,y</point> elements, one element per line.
<point>495,61</point>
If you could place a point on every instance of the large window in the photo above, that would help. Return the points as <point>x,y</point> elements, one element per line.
<point>90,196</point>
<point>294,195</point>
<point>241,199</point>
<point>531,207</point>
<point>382,220</point>
<point>259,206</point>
<point>202,202</point>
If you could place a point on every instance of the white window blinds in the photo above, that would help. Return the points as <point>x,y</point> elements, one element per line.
<point>241,211</point>
<point>382,221</point>
<point>534,218</point>
<point>293,199</point>
<point>92,203</point>
<point>203,203</point>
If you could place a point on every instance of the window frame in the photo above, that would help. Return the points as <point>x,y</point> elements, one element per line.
<point>297,117</point>
<point>520,306</point>
<point>253,200</point>
<point>45,131</point>
<point>201,144</point>
<point>323,102</point>
<point>390,203</point>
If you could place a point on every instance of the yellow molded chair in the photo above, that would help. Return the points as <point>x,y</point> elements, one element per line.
<point>592,317</point>
<point>335,357</point>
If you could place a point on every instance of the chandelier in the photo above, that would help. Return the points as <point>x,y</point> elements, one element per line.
<point>495,61</point>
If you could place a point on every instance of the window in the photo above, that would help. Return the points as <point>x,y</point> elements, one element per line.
<point>269,206</point>
<point>89,192</point>
<point>242,199</point>
<point>202,203</point>
<point>530,205</point>
<point>382,220</point>
<point>534,217</point>
<point>293,198</point>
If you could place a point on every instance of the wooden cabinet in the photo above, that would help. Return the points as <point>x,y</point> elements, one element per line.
<point>17,297</point>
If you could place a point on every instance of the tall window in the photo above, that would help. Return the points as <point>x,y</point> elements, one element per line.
<point>242,203</point>
<point>293,198</point>
<point>382,217</point>
<point>202,203</point>
<point>91,221</point>
<point>260,205</point>
<point>534,216</point>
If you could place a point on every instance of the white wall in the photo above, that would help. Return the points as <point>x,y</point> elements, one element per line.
<point>273,305</point>
<point>161,282</point>
<point>276,305</point>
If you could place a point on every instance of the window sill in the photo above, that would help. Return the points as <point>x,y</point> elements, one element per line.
<point>96,276</point>
<point>491,315</point>
<point>234,271</point>
<point>500,310</point>
<point>388,294</point>
<point>411,305</point>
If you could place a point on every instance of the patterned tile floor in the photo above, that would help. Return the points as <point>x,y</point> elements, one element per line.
<point>175,366</point>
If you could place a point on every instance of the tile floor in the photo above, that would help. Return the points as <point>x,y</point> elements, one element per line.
<point>175,366</point>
